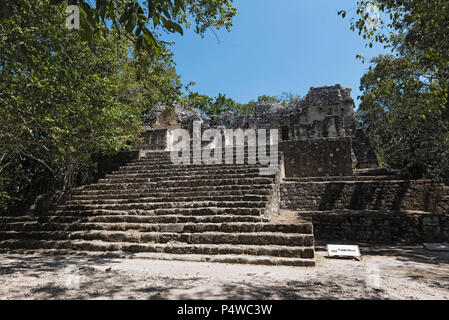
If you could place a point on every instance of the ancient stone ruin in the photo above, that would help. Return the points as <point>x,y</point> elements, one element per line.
<point>326,186</point>
<point>310,132</point>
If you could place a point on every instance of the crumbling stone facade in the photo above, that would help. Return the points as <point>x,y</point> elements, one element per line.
<point>142,201</point>
<point>330,170</point>
<point>387,195</point>
<point>317,157</point>
<point>378,227</point>
<point>309,131</point>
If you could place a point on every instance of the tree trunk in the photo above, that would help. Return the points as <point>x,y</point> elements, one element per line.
<point>68,176</point>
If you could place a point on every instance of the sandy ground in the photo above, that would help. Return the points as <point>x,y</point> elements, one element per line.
<point>382,273</point>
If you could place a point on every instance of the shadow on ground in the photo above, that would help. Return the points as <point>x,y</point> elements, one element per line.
<point>401,252</point>
<point>44,277</point>
<point>109,276</point>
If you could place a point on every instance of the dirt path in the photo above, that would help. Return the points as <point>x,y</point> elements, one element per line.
<point>383,273</point>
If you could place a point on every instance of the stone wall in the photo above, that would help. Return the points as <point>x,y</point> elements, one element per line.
<point>324,113</point>
<point>380,227</point>
<point>420,195</point>
<point>317,157</point>
<point>162,117</point>
<point>108,163</point>
<point>155,139</point>
<point>363,151</point>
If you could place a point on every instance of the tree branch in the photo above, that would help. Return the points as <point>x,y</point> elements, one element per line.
<point>29,155</point>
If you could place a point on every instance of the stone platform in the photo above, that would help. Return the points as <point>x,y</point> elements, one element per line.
<point>219,213</point>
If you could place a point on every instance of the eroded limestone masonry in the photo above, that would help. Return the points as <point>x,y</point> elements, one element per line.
<point>328,164</point>
<point>319,128</point>
<point>327,186</point>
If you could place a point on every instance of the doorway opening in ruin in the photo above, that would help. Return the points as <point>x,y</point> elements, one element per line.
<point>284,133</point>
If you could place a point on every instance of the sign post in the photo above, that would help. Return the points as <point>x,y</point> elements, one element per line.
<point>336,250</point>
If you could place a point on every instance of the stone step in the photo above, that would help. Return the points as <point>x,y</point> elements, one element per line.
<point>240,259</point>
<point>164,205</point>
<point>198,165</point>
<point>339,179</point>
<point>180,172</point>
<point>135,219</point>
<point>173,195</point>
<point>155,207</point>
<point>395,174</point>
<point>4,220</point>
<point>130,167</point>
<point>254,238</point>
<point>192,182</point>
<point>198,153</point>
<point>199,162</point>
<point>234,160</point>
<point>194,150</point>
<point>209,154</point>
<point>233,227</point>
<point>173,199</point>
<point>188,177</point>
<point>150,169</point>
<point>167,211</point>
<point>250,189</point>
<point>200,156</point>
<point>175,248</point>
<point>206,143</point>
<point>225,258</point>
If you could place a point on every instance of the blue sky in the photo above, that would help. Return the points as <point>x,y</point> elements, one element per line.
<point>275,46</point>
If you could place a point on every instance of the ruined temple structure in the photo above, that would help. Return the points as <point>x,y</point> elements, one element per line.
<point>318,135</point>
<point>326,186</point>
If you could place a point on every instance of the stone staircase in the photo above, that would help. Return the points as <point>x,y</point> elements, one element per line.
<point>218,213</point>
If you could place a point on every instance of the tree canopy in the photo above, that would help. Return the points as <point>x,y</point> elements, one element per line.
<point>404,104</point>
<point>417,32</point>
<point>213,106</point>
<point>142,22</point>
<point>63,99</point>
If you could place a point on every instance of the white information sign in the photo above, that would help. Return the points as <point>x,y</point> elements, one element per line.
<point>336,250</point>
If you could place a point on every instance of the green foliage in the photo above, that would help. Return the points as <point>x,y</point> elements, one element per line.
<point>416,31</point>
<point>212,106</point>
<point>67,94</point>
<point>267,98</point>
<point>286,99</point>
<point>21,180</point>
<point>405,107</point>
<point>63,99</point>
<point>403,120</point>
<point>141,21</point>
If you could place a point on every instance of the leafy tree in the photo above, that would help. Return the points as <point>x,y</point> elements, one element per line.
<point>141,21</point>
<point>195,100</point>
<point>211,106</point>
<point>62,99</point>
<point>286,99</point>
<point>221,103</point>
<point>267,98</point>
<point>403,128</point>
<point>66,94</point>
<point>418,32</point>
<point>289,98</point>
<point>405,105</point>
